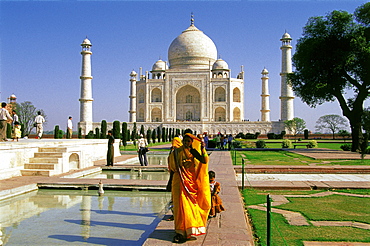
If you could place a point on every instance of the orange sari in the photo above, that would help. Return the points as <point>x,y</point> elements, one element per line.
<point>190,190</point>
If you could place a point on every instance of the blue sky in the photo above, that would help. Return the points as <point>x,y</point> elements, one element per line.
<point>41,60</point>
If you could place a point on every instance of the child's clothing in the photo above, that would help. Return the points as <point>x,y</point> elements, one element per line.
<point>216,202</point>
<point>17,132</point>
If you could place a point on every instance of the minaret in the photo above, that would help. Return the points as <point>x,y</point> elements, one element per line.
<point>265,106</point>
<point>86,90</point>
<point>286,96</point>
<point>133,96</point>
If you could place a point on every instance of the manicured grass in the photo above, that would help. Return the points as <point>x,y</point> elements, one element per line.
<point>287,158</point>
<point>333,208</point>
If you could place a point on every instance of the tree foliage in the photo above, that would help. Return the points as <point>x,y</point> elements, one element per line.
<point>295,126</point>
<point>27,113</point>
<point>332,122</point>
<point>332,57</point>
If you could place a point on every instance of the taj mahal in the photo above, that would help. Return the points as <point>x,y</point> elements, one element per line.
<point>194,89</point>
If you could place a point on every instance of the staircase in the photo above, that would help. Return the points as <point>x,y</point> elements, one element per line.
<point>44,162</point>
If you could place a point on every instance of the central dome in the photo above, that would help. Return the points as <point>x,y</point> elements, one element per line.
<point>192,49</point>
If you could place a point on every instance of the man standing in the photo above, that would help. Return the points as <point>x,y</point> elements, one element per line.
<point>69,127</point>
<point>4,115</point>
<point>39,120</point>
<point>110,153</point>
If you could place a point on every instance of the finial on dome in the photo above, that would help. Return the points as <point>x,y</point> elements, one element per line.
<point>192,19</point>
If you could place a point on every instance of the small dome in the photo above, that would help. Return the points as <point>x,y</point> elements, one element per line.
<point>192,49</point>
<point>220,64</point>
<point>286,36</point>
<point>264,71</point>
<point>13,97</point>
<point>133,73</point>
<point>159,66</point>
<point>86,42</point>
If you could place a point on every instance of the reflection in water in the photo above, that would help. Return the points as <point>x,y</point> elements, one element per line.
<point>152,160</point>
<point>60,217</point>
<point>134,174</point>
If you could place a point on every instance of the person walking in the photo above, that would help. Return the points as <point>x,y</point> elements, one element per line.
<point>69,127</point>
<point>110,152</point>
<point>216,202</point>
<point>4,116</point>
<point>39,120</point>
<point>142,149</point>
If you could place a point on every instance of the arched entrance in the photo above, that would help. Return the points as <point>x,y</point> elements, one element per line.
<point>188,104</point>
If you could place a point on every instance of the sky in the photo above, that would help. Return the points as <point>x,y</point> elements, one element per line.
<point>40,58</point>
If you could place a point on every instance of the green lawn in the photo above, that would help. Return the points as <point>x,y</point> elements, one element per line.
<point>287,158</point>
<point>333,208</point>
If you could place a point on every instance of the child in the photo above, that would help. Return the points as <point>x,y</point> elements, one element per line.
<point>216,202</point>
<point>16,131</point>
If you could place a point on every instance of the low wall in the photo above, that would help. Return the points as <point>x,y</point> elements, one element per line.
<point>13,155</point>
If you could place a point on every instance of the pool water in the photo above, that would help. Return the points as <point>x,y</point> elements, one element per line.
<point>75,217</point>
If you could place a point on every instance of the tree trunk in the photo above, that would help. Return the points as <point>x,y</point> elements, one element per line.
<point>357,137</point>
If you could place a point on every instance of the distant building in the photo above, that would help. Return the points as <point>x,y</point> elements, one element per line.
<point>194,90</point>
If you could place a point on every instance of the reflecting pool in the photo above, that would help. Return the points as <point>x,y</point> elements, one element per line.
<point>152,160</point>
<point>75,217</point>
<point>135,174</point>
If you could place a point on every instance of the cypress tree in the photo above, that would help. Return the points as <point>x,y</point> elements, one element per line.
<point>154,135</point>
<point>56,131</point>
<point>103,134</point>
<point>60,134</point>
<point>159,134</point>
<point>142,131</point>
<point>124,134</point>
<point>148,135</point>
<point>79,133</point>
<point>97,133</point>
<point>116,129</point>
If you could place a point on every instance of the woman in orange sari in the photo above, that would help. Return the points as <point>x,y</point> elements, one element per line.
<point>190,188</point>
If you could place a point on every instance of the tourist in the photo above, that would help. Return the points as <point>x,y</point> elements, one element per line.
<point>205,139</point>
<point>4,116</point>
<point>15,117</point>
<point>110,152</point>
<point>218,140</point>
<point>216,202</point>
<point>142,149</point>
<point>16,131</point>
<point>190,188</point>
<point>69,127</point>
<point>39,120</point>
<point>229,141</point>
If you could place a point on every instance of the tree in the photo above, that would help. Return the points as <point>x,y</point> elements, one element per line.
<point>295,126</point>
<point>27,113</point>
<point>103,134</point>
<point>332,122</point>
<point>124,134</point>
<point>332,57</point>
<point>116,129</point>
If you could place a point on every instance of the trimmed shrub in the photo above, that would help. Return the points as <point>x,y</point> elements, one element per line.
<point>148,135</point>
<point>305,134</point>
<point>97,133</point>
<point>271,135</point>
<point>346,147</point>
<point>124,134</point>
<point>103,134</point>
<point>260,144</point>
<point>79,133</point>
<point>56,131</point>
<point>236,144</point>
<point>286,143</point>
<point>116,131</point>
<point>90,135</point>
<point>312,144</point>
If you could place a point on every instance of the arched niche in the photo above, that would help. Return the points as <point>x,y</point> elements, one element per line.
<point>220,94</point>
<point>236,95</point>
<point>156,115</point>
<point>220,114</point>
<point>156,95</point>
<point>188,106</point>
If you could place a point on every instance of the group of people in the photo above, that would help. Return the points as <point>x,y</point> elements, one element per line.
<point>223,140</point>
